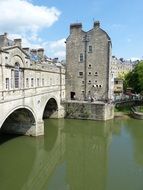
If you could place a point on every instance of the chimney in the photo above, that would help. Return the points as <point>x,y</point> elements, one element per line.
<point>75,27</point>
<point>96,24</point>
<point>4,40</point>
<point>26,50</point>
<point>40,52</point>
<point>5,35</point>
<point>18,42</point>
<point>34,51</point>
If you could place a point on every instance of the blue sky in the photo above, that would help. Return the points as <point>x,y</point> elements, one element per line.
<point>39,24</point>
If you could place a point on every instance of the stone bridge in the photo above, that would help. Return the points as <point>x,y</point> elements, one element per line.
<point>31,88</point>
<point>22,110</point>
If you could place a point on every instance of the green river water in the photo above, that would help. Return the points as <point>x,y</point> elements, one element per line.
<point>75,155</point>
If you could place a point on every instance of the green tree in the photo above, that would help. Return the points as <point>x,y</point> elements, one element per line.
<point>134,79</point>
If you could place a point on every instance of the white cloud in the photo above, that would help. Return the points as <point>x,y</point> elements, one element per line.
<point>55,48</point>
<point>23,19</point>
<point>52,48</point>
<point>22,16</point>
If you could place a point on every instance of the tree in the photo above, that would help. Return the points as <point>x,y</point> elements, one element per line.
<point>134,79</point>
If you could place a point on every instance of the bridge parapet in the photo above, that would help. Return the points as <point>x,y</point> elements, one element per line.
<point>7,95</point>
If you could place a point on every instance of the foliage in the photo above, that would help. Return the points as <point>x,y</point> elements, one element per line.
<point>134,79</point>
<point>125,109</point>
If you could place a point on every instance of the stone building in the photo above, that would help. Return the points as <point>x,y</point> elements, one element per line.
<point>120,67</point>
<point>88,62</point>
<point>118,88</point>
<point>32,87</point>
<point>25,68</point>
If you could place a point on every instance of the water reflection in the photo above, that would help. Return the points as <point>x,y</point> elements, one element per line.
<point>135,127</point>
<point>75,155</point>
<point>87,154</point>
<point>15,162</point>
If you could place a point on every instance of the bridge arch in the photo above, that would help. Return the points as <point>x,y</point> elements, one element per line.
<point>20,120</point>
<point>50,108</point>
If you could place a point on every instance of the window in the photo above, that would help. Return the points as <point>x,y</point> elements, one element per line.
<point>38,82</point>
<point>7,83</point>
<point>32,82</point>
<point>89,82</point>
<point>89,66</point>
<point>81,57</point>
<point>90,49</point>
<point>81,74</point>
<point>83,82</point>
<point>89,73</point>
<point>27,82</point>
<point>50,81</point>
<point>96,74</point>
<point>16,75</point>
<point>42,82</point>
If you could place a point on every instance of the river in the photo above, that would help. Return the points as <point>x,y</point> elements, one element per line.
<point>75,155</point>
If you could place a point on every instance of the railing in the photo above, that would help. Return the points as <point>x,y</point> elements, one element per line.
<point>7,95</point>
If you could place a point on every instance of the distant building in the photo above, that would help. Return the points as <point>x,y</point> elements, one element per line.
<point>120,67</point>
<point>118,87</point>
<point>88,64</point>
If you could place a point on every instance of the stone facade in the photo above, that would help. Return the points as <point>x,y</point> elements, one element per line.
<point>118,87</point>
<point>28,81</point>
<point>88,110</point>
<point>120,67</point>
<point>88,62</point>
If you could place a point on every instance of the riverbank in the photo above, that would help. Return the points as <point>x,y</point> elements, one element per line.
<point>121,114</point>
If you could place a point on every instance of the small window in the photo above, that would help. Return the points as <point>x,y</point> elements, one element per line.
<point>32,82</point>
<point>81,57</point>
<point>51,81</point>
<point>80,74</point>
<point>38,82</point>
<point>90,49</point>
<point>27,82</point>
<point>83,82</point>
<point>42,82</point>
<point>7,83</point>
<point>89,82</point>
<point>95,81</point>
<point>96,74</point>
<point>100,85</point>
<point>82,92</point>
<point>89,73</point>
<point>89,66</point>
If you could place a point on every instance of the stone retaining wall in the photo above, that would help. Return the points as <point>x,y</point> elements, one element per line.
<point>89,110</point>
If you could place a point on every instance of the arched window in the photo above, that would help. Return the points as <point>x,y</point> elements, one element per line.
<point>16,75</point>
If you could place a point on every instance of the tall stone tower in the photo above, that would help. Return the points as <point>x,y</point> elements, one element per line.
<point>88,57</point>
